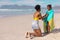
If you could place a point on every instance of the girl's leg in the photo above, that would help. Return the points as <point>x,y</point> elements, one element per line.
<point>48,28</point>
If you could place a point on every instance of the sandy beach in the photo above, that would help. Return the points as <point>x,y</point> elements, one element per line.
<point>14,28</point>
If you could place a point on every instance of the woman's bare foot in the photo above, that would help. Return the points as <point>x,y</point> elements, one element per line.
<point>31,36</point>
<point>27,35</point>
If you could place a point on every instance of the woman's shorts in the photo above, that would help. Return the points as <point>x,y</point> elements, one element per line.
<point>35,24</point>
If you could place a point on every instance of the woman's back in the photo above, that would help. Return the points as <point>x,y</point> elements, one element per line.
<point>37,15</point>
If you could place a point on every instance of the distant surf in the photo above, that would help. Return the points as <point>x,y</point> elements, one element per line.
<point>15,12</point>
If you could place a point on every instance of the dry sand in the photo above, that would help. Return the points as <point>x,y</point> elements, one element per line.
<point>14,28</point>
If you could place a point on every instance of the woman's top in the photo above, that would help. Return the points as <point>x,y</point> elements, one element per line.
<point>36,18</point>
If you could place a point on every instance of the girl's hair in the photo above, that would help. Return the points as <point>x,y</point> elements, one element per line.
<point>38,8</point>
<point>50,6</point>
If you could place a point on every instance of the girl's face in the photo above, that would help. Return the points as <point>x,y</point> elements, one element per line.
<point>48,8</point>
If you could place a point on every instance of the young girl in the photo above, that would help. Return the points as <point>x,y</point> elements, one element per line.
<point>35,23</point>
<point>49,19</point>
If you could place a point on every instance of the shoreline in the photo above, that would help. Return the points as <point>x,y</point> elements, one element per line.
<point>5,16</point>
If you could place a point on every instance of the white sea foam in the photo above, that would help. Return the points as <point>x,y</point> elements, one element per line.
<point>10,10</point>
<point>15,9</point>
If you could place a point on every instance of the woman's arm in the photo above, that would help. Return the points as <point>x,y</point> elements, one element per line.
<point>40,16</point>
<point>45,15</point>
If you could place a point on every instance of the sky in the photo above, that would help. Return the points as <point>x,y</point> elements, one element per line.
<point>30,2</point>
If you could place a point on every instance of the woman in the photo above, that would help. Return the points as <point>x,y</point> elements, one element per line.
<point>35,23</point>
<point>48,19</point>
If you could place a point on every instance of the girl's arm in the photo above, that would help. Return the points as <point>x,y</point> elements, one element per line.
<point>45,15</point>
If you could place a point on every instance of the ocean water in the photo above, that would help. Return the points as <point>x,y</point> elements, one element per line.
<point>16,12</point>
